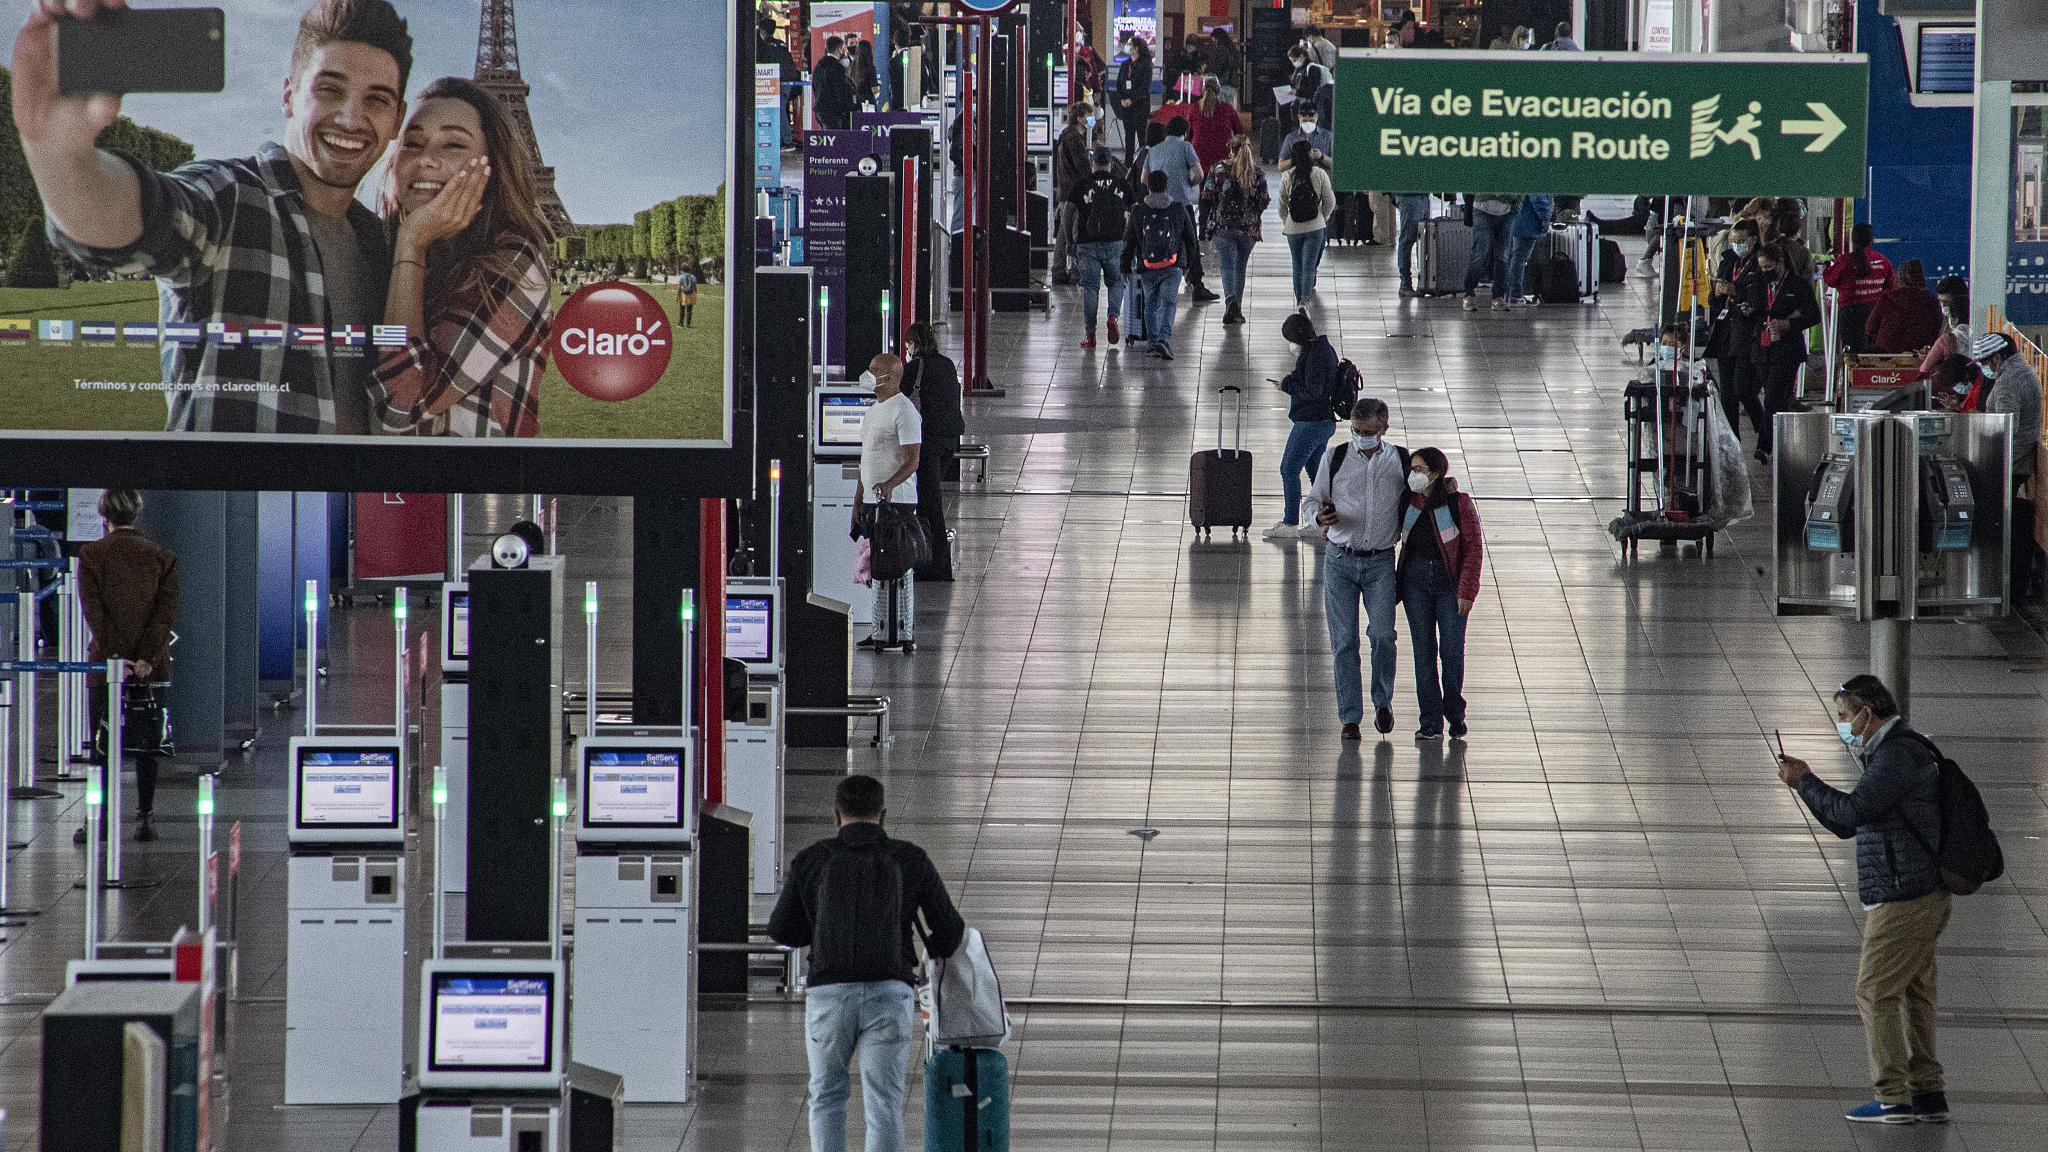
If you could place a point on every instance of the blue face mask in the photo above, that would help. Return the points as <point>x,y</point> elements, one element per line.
<point>1740,249</point>
<point>1846,730</point>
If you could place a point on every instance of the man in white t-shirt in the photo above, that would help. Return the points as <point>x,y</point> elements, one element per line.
<point>890,438</point>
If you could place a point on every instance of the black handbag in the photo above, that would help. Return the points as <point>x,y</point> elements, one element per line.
<point>897,541</point>
<point>145,721</point>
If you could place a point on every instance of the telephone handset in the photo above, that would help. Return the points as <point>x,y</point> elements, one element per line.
<point>1948,505</point>
<point>1831,505</point>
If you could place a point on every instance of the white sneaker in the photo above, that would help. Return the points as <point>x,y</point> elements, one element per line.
<point>1281,531</point>
<point>1499,304</point>
<point>1312,532</point>
<point>1471,304</point>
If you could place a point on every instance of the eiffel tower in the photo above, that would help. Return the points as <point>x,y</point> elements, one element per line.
<point>497,72</point>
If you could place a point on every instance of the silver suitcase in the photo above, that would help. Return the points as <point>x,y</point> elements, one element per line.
<point>1580,244</point>
<point>1441,254</point>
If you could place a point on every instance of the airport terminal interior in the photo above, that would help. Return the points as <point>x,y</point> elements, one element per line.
<point>532,915</point>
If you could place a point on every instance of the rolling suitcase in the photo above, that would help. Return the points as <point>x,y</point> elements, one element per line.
<point>967,1101</point>
<point>1220,482</point>
<point>1572,256</point>
<point>1442,251</point>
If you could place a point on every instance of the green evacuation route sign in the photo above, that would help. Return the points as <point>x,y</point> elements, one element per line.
<point>1749,124</point>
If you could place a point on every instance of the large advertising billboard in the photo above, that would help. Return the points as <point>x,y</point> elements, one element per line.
<point>457,245</point>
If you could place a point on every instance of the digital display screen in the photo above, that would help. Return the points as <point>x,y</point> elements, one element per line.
<point>1038,129</point>
<point>492,1022</point>
<point>341,788</point>
<point>1061,88</point>
<point>458,624</point>
<point>1948,58</point>
<point>840,417</point>
<point>750,628</point>
<point>637,788</point>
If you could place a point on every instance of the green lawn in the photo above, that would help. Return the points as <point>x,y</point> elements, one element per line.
<point>38,390</point>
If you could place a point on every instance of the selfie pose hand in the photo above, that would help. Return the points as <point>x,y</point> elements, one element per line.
<point>447,214</point>
<point>93,197</point>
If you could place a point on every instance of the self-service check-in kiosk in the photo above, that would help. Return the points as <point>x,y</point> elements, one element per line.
<point>635,903</point>
<point>837,413</point>
<point>344,1037</point>
<point>753,747</point>
<point>491,1057</point>
<point>455,736</point>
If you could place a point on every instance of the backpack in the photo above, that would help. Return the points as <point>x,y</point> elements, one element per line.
<point>1344,391</point>
<point>1303,204</point>
<point>860,908</point>
<point>898,541</point>
<point>1967,856</point>
<point>1159,237</point>
<point>1103,213</point>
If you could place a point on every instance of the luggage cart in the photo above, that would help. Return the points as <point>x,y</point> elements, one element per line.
<point>1670,469</point>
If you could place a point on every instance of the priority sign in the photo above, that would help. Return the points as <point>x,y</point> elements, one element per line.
<point>1745,124</point>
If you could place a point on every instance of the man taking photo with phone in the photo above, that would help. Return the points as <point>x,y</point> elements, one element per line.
<point>274,238</point>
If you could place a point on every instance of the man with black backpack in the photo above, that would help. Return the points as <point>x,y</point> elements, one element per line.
<point>1161,232</point>
<point>1101,217</point>
<point>1921,833</point>
<point>854,900</point>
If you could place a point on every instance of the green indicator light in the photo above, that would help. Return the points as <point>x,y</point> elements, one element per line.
<point>205,805</point>
<point>440,785</point>
<point>312,604</point>
<point>590,607</point>
<point>561,799</point>
<point>92,794</point>
<point>689,613</point>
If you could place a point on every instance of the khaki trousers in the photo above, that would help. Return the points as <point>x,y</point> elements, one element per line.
<point>1383,223</point>
<point>1895,992</point>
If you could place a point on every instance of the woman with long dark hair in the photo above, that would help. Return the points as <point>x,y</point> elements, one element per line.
<point>1437,580</point>
<point>469,273</point>
<point>1860,278</point>
<point>932,382</point>
<point>1782,306</point>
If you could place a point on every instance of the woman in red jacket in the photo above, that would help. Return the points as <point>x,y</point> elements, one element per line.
<point>1437,579</point>
<point>1908,318</point>
<point>1212,124</point>
<point>1859,278</point>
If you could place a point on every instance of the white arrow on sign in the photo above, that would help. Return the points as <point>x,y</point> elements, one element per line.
<point>1824,130</point>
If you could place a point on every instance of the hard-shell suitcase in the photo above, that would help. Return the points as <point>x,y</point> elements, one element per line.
<point>1220,481</point>
<point>1442,251</point>
<point>1572,246</point>
<point>967,1101</point>
<point>1134,308</point>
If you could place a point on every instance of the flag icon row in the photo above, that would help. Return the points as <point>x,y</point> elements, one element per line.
<point>302,336</point>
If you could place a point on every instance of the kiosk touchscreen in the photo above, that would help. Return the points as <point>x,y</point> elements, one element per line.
<point>636,790</point>
<point>1038,131</point>
<point>346,790</point>
<point>837,412</point>
<point>752,630</point>
<point>455,627</point>
<point>491,1024</point>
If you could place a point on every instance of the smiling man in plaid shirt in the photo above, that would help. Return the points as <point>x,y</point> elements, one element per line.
<point>273,238</point>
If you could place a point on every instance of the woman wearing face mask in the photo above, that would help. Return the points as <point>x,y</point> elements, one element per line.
<point>1437,579</point>
<point>1734,334</point>
<point>1894,814</point>
<point>1311,406</point>
<point>1953,294</point>
<point>1783,308</point>
<point>469,278</point>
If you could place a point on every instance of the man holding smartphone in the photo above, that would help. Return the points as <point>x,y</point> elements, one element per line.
<point>277,237</point>
<point>1360,495</point>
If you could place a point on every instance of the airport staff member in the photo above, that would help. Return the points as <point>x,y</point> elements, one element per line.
<point>129,588</point>
<point>1361,495</point>
<point>891,443</point>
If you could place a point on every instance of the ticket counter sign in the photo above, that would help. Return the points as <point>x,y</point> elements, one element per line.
<point>1748,124</point>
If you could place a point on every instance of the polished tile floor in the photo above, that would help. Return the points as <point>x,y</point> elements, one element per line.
<point>1599,924</point>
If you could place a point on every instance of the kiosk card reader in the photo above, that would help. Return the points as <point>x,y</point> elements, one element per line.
<point>1831,497</point>
<point>636,928</point>
<point>838,412</point>
<point>753,747</point>
<point>345,933</point>
<point>491,1057</point>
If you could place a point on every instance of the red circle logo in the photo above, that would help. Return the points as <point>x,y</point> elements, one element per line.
<point>611,341</point>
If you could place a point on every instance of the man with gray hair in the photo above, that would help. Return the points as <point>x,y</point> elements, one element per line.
<point>1360,494</point>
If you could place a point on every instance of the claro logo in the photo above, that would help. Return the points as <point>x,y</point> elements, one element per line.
<point>611,341</point>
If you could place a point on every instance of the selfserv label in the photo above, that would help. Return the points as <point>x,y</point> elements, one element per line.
<point>1593,122</point>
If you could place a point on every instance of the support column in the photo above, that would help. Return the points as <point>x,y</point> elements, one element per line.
<point>1891,659</point>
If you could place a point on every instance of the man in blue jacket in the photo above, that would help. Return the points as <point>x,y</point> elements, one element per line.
<point>1894,812</point>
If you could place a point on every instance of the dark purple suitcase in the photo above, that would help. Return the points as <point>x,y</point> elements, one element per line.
<point>1220,481</point>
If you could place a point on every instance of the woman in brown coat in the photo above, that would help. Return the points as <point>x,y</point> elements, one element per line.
<point>128,586</point>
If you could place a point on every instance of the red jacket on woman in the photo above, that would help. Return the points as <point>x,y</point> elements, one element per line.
<point>1905,320</point>
<point>1211,134</point>
<point>1463,553</point>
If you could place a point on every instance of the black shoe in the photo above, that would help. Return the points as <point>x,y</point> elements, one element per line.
<point>1458,729</point>
<point>145,830</point>
<point>1233,316</point>
<point>1383,721</point>
<point>872,644</point>
<point>1351,732</point>
<point>1162,351</point>
<point>78,837</point>
<point>1204,296</point>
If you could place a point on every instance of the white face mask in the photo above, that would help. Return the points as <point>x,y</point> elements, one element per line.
<point>1363,442</point>
<point>868,381</point>
<point>1418,482</point>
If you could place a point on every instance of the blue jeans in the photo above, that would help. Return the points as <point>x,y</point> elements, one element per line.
<point>1489,253</point>
<point>1520,248</point>
<point>1103,257</point>
<point>1437,630</point>
<point>1162,292</point>
<point>1347,579</point>
<point>1305,445</point>
<point>1409,211</point>
<point>1306,250</point>
<point>1236,252</point>
<point>877,1020</point>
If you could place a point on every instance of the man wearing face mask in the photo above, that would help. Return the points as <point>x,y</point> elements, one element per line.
<point>1361,494</point>
<point>891,440</point>
<point>1070,170</point>
<point>1308,128</point>
<point>1894,814</point>
<point>2017,390</point>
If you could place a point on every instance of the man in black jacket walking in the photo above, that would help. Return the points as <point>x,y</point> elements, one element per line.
<point>1894,812</point>
<point>831,87</point>
<point>853,900</point>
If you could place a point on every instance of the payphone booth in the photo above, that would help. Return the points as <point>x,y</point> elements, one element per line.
<point>1892,517</point>
<point>837,414</point>
<point>753,747</point>
<point>344,1040</point>
<point>454,760</point>
<point>636,928</point>
<point>491,1058</point>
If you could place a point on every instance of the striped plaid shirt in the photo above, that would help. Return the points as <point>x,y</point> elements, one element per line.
<point>477,370</point>
<point>228,241</point>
